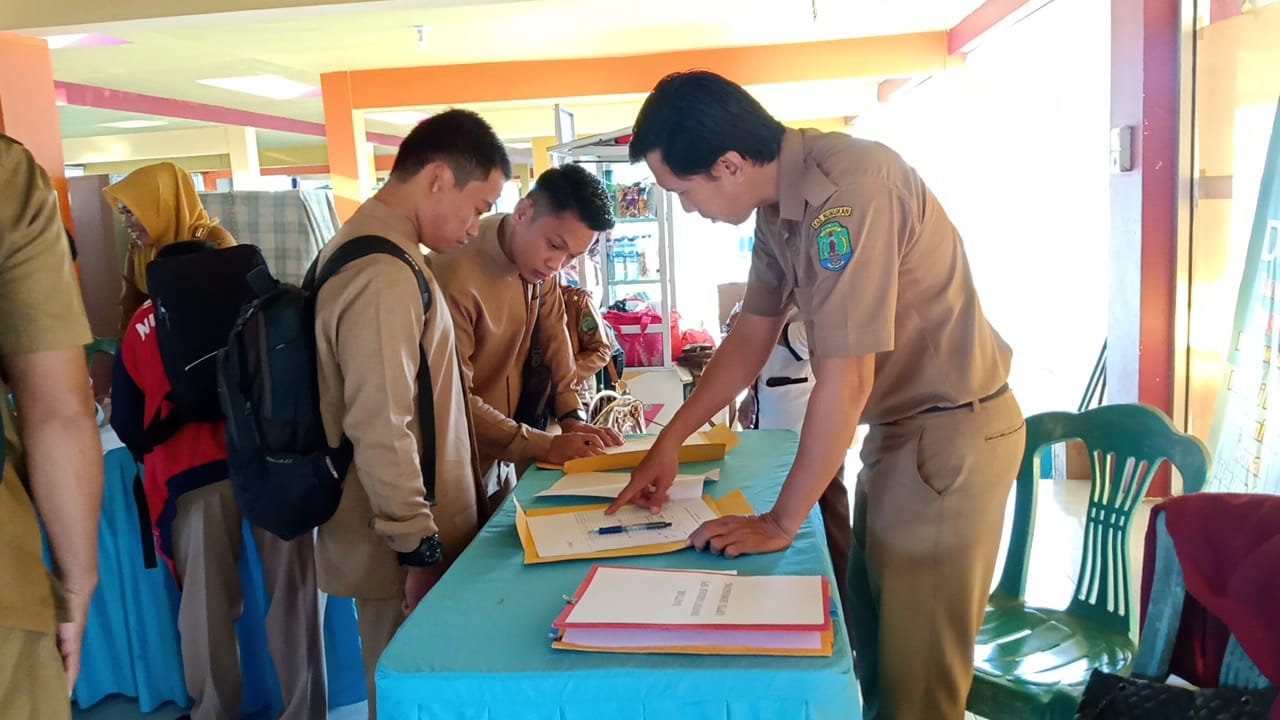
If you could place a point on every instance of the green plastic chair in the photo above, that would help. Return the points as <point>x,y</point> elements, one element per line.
<point>104,346</point>
<point>1033,662</point>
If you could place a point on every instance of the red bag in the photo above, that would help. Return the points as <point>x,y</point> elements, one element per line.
<point>697,336</point>
<point>635,331</point>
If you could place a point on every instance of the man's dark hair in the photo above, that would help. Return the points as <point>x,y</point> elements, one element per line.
<point>460,139</point>
<point>185,247</point>
<point>571,188</point>
<point>693,118</point>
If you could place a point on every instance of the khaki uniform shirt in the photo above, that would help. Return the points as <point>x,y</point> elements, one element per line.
<point>40,309</point>
<point>494,314</point>
<point>369,324</point>
<point>866,253</point>
<point>591,350</point>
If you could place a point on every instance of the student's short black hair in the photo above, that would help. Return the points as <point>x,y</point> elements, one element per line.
<point>693,118</point>
<point>460,139</point>
<point>570,188</point>
<point>185,247</point>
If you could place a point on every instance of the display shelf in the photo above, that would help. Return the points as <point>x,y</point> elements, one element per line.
<point>652,281</point>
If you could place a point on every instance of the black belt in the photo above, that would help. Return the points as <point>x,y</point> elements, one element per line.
<point>980,401</point>
<point>774,382</point>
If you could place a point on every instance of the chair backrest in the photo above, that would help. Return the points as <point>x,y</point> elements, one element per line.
<point>1126,445</point>
<point>100,346</point>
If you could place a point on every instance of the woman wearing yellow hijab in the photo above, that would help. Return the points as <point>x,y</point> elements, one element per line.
<point>160,206</point>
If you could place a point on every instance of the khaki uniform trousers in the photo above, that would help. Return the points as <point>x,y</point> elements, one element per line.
<point>928,512</point>
<point>207,546</point>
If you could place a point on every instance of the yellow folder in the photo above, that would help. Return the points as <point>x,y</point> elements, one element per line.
<point>735,503</point>
<point>707,446</point>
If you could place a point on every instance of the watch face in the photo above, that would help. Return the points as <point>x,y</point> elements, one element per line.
<point>432,548</point>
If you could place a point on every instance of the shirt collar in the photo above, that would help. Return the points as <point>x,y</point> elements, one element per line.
<point>492,251</point>
<point>791,174</point>
<point>801,183</point>
<point>398,228</point>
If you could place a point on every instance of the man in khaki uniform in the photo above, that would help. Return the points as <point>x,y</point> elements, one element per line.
<point>386,546</point>
<point>500,288</point>
<point>849,234</point>
<point>43,331</point>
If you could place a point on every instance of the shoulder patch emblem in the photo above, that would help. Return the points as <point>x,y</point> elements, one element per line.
<point>845,211</point>
<point>834,248</point>
<point>589,324</point>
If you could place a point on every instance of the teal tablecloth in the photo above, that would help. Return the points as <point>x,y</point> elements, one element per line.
<point>477,648</point>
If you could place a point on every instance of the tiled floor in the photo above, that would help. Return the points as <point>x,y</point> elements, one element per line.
<point>1055,564</point>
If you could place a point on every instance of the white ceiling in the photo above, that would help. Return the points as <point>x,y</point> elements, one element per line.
<point>165,58</point>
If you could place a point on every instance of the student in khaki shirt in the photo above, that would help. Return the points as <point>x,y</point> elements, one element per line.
<point>386,546</point>
<point>43,331</point>
<point>849,233</point>
<point>500,288</point>
<point>591,348</point>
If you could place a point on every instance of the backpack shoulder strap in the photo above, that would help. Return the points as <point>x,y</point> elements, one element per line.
<point>363,246</point>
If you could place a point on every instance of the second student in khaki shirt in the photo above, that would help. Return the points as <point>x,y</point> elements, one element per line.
<point>386,546</point>
<point>499,287</point>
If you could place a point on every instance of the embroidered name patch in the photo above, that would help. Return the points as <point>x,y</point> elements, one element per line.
<point>834,248</point>
<point>845,211</point>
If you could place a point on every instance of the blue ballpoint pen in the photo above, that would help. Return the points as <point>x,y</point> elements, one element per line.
<point>618,529</point>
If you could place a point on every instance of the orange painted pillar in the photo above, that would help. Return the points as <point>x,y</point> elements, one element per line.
<point>541,158</point>
<point>349,173</point>
<point>29,107</point>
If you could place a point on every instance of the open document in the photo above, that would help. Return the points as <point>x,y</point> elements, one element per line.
<point>591,531</point>
<point>609,484</point>
<point>577,533</point>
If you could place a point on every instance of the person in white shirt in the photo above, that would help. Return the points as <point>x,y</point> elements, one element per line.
<point>781,398</point>
<point>785,382</point>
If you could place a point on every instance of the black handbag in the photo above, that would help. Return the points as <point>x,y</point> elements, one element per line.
<point>535,391</point>
<point>1112,697</point>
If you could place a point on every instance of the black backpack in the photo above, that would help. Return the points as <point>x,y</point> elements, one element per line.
<point>286,478</point>
<point>533,408</point>
<point>197,299</point>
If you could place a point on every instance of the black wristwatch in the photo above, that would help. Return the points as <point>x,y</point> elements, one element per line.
<point>575,414</point>
<point>429,552</point>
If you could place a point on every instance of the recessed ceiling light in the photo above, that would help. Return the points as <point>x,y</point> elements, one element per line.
<point>132,124</point>
<point>520,145</point>
<point>398,117</point>
<point>57,42</point>
<point>268,86</point>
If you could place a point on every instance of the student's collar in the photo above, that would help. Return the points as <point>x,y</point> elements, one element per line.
<point>490,227</point>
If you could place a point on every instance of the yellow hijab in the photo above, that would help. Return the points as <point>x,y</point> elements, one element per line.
<point>163,198</point>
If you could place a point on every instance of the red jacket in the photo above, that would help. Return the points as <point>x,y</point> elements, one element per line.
<point>194,457</point>
<point>1229,548</point>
